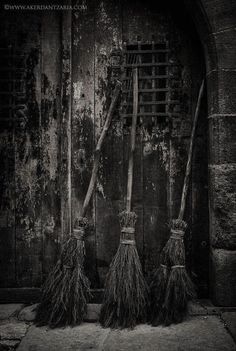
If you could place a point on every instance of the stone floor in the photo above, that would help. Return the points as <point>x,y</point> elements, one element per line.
<point>207,328</point>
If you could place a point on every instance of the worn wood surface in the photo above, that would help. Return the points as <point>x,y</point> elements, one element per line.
<point>66,85</point>
<point>109,194</point>
<point>50,139</point>
<point>7,198</point>
<point>28,189</point>
<point>83,125</point>
<point>98,148</point>
<point>65,135</point>
<point>7,162</point>
<point>190,154</point>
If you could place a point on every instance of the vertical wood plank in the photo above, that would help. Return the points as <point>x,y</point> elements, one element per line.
<point>7,161</point>
<point>83,124</point>
<point>27,157</point>
<point>109,194</point>
<point>199,247</point>
<point>7,204</point>
<point>50,137</point>
<point>66,124</point>
<point>142,22</point>
<point>155,168</point>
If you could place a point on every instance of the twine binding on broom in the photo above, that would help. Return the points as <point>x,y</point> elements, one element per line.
<point>127,236</point>
<point>177,234</point>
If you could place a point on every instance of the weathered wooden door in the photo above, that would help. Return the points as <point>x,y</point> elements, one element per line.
<point>57,76</point>
<point>170,71</point>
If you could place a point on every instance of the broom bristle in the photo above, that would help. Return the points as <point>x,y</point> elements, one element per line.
<point>66,290</point>
<point>157,295</point>
<point>174,249</point>
<point>125,297</point>
<point>126,292</point>
<point>180,290</point>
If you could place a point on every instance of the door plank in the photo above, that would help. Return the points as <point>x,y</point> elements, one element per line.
<point>27,158</point>
<point>109,194</point>
<point>50,138</point>
<point>83,124</point>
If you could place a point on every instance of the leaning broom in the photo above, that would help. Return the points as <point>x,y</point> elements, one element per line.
<point>172,288</point>
<point>67,289</point>
<point>125,296</point>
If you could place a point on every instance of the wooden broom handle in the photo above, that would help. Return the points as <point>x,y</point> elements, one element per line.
<point>190,153</point>
<point>132,141</point>
<point>97,152</point>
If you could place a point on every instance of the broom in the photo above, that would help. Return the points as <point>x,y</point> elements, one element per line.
<point>172,288</point>
<point>125,296</point>
<point>67,289</point>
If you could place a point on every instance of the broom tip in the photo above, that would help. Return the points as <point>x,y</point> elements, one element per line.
<point>127,218</point>
<point>178,224</point>
<point>66,290</point>
<point>81,222</point>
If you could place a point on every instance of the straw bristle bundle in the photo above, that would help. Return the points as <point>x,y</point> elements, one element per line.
<point>157,295</point>
<point>174,250</point>
<point>179,291</point>
<point>126,294</point>
<point>66,290</point>
<point>180,288</point>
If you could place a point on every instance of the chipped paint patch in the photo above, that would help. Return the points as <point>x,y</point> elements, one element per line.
<point>52,150</point>
<point>77,90</point>
<point>100,188</point>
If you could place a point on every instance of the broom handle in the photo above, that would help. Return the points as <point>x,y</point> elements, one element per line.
<point>190,153</point>
<point>97,152</point>
<point>132,141</point>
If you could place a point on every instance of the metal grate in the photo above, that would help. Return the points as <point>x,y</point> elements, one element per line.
<point>154,68</point>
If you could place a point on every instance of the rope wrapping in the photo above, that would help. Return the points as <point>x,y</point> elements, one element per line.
<point>177,234</point>
<point>127,236</point>
<point>78,233</point>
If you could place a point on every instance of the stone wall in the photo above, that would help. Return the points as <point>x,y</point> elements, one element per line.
<point>216,23</point>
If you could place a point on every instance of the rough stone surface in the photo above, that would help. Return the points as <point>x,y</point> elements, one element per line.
<point>223,206</point>
<point>226,48</point>
<point>220,13</point>
<point>196,333</point>
<point>222,131</point>
<point>230,321</point>
<point>8,345</point>
<point>223,263</point>
<point>27,313</point>
<point>12,330</point>
<point>87,336</point>
<point>221,92</point>
<point>9,310</point>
